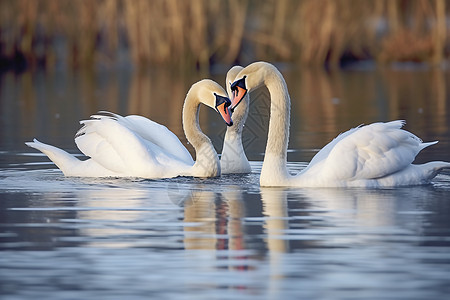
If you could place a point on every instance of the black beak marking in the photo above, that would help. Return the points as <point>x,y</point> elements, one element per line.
<point>239,83</point>
<point>221,100</point>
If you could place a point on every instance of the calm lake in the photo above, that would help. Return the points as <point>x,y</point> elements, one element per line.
<point>220,238</point>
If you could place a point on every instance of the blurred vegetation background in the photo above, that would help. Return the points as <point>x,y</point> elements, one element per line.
<point>199,33</point>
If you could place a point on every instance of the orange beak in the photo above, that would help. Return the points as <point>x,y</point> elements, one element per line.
<point>239,91</point>
<point>238,94</point>
<point>223,108</point>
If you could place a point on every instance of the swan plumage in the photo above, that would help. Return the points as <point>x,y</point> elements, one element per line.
<point>233,159</point>
<point>149,130</point>
<point>375,155</point>
<point>134,146</point>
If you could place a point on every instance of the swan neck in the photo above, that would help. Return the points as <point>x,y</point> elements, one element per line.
<point>278,136</point>
<point>232,145</point>
<point>207,162</point>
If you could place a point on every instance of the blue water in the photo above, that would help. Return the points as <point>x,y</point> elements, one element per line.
<point>222,238</point>
<point>72,238</point>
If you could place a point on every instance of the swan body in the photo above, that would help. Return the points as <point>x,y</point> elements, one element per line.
<point>233,159</point>
<point>135,146</point>
<point>376,155</point>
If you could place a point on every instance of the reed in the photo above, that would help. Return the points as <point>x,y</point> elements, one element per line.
<point>197,33</point>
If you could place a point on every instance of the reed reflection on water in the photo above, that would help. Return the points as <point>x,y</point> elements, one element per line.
<point>324,103</point>
<point>85,238</point>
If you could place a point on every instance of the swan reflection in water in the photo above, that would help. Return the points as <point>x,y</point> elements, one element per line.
<point>125,217</point>
<point>272,230</point>
<point>225,220</point>
<point>283,220</point>
<point>215,221</point>
<point>249,224</point>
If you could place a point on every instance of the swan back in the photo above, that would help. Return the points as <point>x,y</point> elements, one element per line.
<point>121,150</point>
<point>159,135</point>
<point>379,154</point>
<point>153,132</point>
<point>373,151</point>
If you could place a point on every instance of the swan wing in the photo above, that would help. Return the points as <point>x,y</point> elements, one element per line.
<point>111,144</point>
<point>371,151</point>
<point>156,134</point>
<point>116,147</point>
<point>325,151</point>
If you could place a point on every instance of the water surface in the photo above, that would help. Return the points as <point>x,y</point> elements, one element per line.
<point>220,238</point>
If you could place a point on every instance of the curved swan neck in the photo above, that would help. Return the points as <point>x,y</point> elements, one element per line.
<point>275,159</point>
<point>207,161</point>
<point>280,108</point>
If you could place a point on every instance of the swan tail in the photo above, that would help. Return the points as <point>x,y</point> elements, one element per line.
<point>106,114</point>
<point>428,144</point>
<point>396,124</point>
<point>63,160</point>
<point>439,165</point>
<point>431,169</point>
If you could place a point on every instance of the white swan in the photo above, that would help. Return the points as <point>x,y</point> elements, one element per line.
<point>233,159</point>
<point>376,155</point>
<point>135,146</point>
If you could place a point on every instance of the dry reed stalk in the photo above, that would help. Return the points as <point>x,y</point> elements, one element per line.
<point>27,21</point>
<point>329,28</point>
<point>194,33</point>
<point>6,40</point>
<point>198,37</point>
<point>236,31</point>
<point>440,33</point>
<point>86,38</point>
<point>111,19</point>
<point>393,16</point>
<point>421,38</point>
<point>175,11</point>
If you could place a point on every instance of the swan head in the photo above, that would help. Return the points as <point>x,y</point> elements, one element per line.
<point>213,95</point>
<point>240,114</point>
<point>250,77</point>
